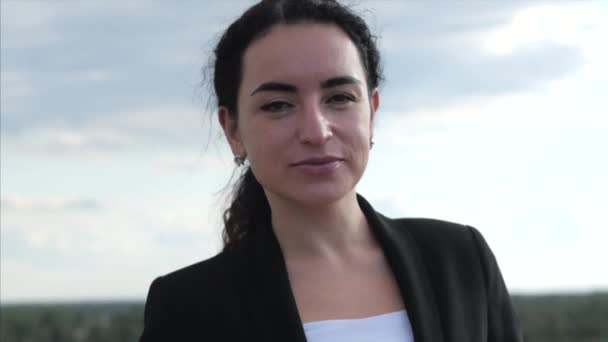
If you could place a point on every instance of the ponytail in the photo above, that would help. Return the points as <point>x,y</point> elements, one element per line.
<point>248,207</point>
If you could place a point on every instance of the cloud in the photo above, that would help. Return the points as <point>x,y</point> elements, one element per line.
<point>564,24</point>
<point>76,250</point>
<point>84,228</point>
<point>435,63</point>
<point>17,84</point>
<point>92,94</point>
<point>159,128</point>
<point>27,24</point>
<point>208,163</point>
<point>142,60</point>
<point>90,75</point>
<point>10,203</point>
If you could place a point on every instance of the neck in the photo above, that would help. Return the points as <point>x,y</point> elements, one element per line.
<point>329,231</point>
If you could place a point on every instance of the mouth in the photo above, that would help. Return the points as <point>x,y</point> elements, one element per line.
<point>321,166</point>
<point>318,161</point>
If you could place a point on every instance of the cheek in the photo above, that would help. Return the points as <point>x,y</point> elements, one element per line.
<point>265,141</point>
<point>360,139</point>
<point>361,131</point>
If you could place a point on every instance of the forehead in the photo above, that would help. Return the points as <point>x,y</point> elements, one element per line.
<point>301,54</point>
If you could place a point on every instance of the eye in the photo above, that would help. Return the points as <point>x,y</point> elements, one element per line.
<point>341,98</point>
<point>276,106</point>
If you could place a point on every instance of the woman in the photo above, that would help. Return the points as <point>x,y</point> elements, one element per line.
<point>306,258</point>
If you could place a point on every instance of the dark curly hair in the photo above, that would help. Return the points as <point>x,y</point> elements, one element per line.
<point>249,204</point>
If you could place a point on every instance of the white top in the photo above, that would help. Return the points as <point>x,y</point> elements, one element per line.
<point>389,327</point>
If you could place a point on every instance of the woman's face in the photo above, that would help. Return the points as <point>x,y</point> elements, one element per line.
<point>304,114</point>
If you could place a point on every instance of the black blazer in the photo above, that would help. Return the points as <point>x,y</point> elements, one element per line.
<point>449,281</point>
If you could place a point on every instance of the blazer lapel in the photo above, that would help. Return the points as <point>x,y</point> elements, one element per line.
<point>272,308</point>
<point>410,273</point>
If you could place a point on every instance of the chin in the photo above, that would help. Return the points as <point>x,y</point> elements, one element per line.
<point>315,195</point>
<point>311,191</point>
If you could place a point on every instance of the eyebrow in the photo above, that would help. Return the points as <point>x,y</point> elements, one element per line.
<point>274,86</point>
<point>329,83</point>
<point>338,81</point>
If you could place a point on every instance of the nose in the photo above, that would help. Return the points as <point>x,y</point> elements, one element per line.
<point>314,127</point>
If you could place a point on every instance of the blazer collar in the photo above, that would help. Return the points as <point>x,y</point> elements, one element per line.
<point>272,308</point>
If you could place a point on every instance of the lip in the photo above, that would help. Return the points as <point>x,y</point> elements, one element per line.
<point>317,161</point>
<point>318,166</point>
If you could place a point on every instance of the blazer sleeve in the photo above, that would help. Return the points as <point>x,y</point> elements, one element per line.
<point>503,325</point>
<point>153,312</point>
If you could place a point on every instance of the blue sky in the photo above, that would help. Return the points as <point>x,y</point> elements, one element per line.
<point>112,165</point>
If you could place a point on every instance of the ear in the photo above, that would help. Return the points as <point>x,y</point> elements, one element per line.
<point>231,131</point>
<point>375,104</point>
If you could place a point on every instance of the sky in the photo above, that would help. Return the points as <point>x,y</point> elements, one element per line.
<point>113,169</point>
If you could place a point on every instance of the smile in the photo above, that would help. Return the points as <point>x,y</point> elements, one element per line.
<point>318,168</point>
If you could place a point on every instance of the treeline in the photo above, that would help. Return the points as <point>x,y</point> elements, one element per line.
<point>91,322</point>
<point>561,318</point>
<point>555,318</point>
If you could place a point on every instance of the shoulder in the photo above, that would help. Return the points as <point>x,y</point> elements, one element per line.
<point>427,223</point>
<point>196,272</point>
<point>434,231</point>
<point>201,294</point>
<point>208,276</point>
<point>448,247</point>
<point>442,243</point>
<point>199,288</point>
<point>420,231</point>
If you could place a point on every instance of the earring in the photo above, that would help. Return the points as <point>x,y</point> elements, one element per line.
<point>371,144</point>
<point>239,160</point>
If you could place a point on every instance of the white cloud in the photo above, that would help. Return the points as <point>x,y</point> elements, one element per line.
<point>565,24</point>
<point>121,131</point>
<point>214,158</point>
<point>11,202</point>
<point>41,236</point>
<point>67,142</point>
<point>21,280</point>
<point>63,216</point>
<point>27,24</point>
<point>15,84</point>
<point>91,75</point>
<point>25,15</point>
